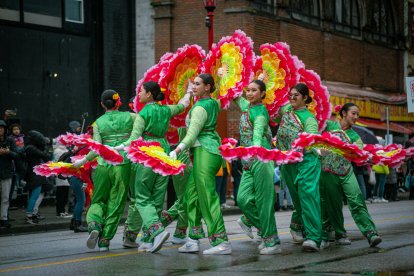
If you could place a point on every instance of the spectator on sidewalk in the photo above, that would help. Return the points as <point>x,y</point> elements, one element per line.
<point>391,187</point>
<point>62,184</point>
<point>36,154</point>
<point>7,155</point>
<point>381,172</point>
<point>19,164</point>
<point>236,174</point>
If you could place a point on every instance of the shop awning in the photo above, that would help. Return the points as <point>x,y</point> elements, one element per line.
<point>377,124</point>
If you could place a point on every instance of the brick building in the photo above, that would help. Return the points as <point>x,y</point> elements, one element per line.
<point>358,47</point>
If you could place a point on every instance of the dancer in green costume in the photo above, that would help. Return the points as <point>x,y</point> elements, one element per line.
<point>110,182</point>
<point>200,195</point>
<point>301,178</point>
<point>178,210</point>
<point>256,195</point>
<point>338,178</point>
<point>151,124</point>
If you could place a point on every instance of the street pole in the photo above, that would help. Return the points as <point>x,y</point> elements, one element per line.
<point>387,115</point>
<point>210,15</point>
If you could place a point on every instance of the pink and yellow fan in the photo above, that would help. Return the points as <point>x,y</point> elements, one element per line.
<point>178,69</point>
<point>152,74</point>
<point>231,63</point>
<point>152,155</point>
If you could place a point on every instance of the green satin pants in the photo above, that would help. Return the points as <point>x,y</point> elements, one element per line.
<point>332,188</point>
<point>256,198</point>
<point>109,196</point>
<point>150,188</point>
<point>179,209</point>
<point>302,180</point>
<point>134,220</point>
<point>202,199</point>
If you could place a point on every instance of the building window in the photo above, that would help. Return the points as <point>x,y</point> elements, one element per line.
<point>347,16</point>
<point>381,22</point>
<point>43,12</point>
<point>305,11</point>
<point>74,11</point>
<point>10,10</point>
<point>265,6</point>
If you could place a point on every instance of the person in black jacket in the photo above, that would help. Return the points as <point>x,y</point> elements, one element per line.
<point>7,155</point>
<point>36,153</point>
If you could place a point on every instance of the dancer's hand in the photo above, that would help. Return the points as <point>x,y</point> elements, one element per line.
<point>84,186</point>
<point>80,162</point>
<point>173,155</point>
<point>119,147</point>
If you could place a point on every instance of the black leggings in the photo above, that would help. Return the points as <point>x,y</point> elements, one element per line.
<point>62,193</point>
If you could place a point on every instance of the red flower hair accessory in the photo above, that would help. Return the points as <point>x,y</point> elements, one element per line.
<point>338,108</point>
<point>118,102</point>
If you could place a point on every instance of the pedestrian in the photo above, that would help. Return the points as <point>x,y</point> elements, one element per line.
<point>337,178</point>
<point>8,153</point>
<point>152,124</point>
<point>381,172</point>
<point>36,153</point>
<point>110,181</point>
<point>256,195</point>
<point>62,184</point>
<point>200,195</point>
<point>302,179</point>
<point>19,163</point>
<point>236,173</point>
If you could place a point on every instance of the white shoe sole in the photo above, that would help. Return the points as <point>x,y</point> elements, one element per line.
<point>270,252</point>
<point>309,248</point>
<point>245,228</point>
<point>103,249</point>
<point>92,239</point>
<point>130,245</point>
<point>157,245</point>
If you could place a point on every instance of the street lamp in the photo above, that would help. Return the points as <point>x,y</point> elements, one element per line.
<point>210,6</point>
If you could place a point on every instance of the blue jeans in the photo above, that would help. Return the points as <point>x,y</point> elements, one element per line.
<point>284,189</point>
<point>76,184</point>
<point>361,184</point>
<point>379,185</point>
<point>34,195</point>
<point>221,187</point>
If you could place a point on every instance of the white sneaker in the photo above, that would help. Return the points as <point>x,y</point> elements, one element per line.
<point>130,244</point>
<point>190,246</point>
<point>374,241</point>
<point>145,247</point>
<point>383,200</point>
<point>92,239</point>
<point>159,240</point>
<point>261,246</point>
<point>272,250</point>
<point>331,236</point>
<point>103,249</point>
<point>247,230</point>
<point>324,244</point>
<point>175,240</point>
<point>343,241</point>
<point>297,236</point>
<point>64,215</point>
<point>310,246</point>
<point>225,206</point>
<point>223,248</point>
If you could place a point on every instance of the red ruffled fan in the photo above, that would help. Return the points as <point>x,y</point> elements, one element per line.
<point>332,143</point>
<point>152,155</point>
<point>391,155</point>
<point>230,152</point>
<point>234,56</point>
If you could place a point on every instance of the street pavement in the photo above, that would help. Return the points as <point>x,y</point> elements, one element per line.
<point>65,253</point>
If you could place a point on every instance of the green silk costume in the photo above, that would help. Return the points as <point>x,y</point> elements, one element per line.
<point>110,182</point>
<point>338,178</point>
<point>256,195</point>
<point>200,195</point>
<point>302,179</point>
<point>151,124</point>
<point>179,209</point>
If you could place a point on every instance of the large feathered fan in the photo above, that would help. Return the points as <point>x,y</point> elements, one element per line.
<point>152,155</point>
<point>231,63</point>
<point>152,74</point>
<point>229,151</point>
<point>178,69</point>
<point>276,68</point>
<point>391,155</point>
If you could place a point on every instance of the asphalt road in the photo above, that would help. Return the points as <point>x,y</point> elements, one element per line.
<point>65,253</point>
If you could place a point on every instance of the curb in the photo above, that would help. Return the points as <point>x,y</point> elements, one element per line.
<point>30,229</point>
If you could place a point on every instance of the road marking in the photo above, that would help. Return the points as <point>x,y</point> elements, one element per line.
<point>111,255</point>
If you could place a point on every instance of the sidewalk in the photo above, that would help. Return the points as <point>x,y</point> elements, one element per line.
<point>51,222</point>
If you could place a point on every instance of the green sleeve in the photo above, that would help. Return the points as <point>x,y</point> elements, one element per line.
<point>260,127</point>
<point>137,130</point>
<point>310,126</point>
<point>96,137</point>
<point>242,103</point>
<point>176,109</point>
<point>359,143</point>
<point>198,119</point>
